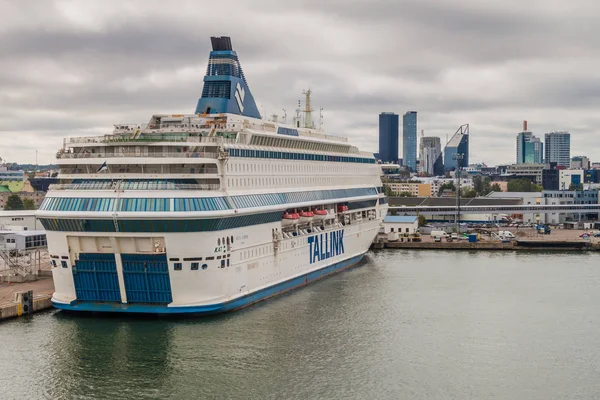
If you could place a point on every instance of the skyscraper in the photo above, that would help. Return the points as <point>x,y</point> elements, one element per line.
<point>530,149</point>
<point>409,140</point>
<point>558,148</point>
<point>388,137</point>
<point>456,152</point>
<point>430,156</point>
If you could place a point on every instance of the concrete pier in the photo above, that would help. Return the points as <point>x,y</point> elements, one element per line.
<point>527,240</point>
<point>12,297</point>
<point>546,245</point>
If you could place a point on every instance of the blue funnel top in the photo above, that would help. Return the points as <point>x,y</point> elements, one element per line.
<point>225,89</point>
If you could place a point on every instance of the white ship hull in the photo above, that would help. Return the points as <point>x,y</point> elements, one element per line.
<point>259,267</point>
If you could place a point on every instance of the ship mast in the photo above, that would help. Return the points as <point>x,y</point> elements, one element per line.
<point>308,111</point>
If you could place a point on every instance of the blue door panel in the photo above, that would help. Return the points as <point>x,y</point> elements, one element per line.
<point>147,278</point>
<point>95,278</point>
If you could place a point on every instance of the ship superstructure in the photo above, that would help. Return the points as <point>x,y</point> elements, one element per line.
<point>206,212</point>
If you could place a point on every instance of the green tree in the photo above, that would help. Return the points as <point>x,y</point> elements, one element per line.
<point>388,191</point>
<point>523,185</point>
<point>28,204</point>
<point>422,220</point>
<point>496,188</point>
<point>481,185</point>
<point>478,184</point>
<point>487,187</point>
<point>14,202</point>
<point>576,186</point>
<point>468,193</point>
<point>405,194</point>
<point>448,185</point>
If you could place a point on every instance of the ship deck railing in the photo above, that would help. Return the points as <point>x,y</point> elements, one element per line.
<point>179,135</point>
<point>115,185</point>
<point>162,154</point>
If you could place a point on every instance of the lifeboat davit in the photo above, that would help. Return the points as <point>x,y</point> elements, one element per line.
<point>306,217</point>
<point>320,215</point>
<point>289,219</point>
<point>342,208</point>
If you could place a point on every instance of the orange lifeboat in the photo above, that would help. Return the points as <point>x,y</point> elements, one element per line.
<point>342,208</point>
<point>289,219</point>
<point>306,217</point>
<point>320,215</point>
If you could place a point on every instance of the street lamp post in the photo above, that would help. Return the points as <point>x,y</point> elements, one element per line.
<point>458,157</point>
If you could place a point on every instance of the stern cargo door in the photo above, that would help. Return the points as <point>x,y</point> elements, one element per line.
<point>95,278</point>
<point>146,278</point>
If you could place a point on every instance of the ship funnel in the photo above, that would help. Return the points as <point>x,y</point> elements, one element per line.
<point>225,88</point>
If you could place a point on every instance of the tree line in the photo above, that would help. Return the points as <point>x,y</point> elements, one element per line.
<point>14,202</point>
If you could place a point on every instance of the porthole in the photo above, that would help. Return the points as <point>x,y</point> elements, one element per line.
<point>204,266</point>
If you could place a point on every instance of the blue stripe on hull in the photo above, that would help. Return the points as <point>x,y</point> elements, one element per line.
<point>213,308</point>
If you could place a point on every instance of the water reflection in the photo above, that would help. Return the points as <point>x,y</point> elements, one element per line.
<point>117,356</point>
<point>403,324</point>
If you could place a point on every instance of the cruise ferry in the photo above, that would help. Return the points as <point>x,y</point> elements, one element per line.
<point>207,212</point>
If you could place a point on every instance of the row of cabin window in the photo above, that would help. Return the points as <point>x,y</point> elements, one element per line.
<point>131,184</point>
<point>196,204</point>
<point>271,167</point>
<point>271,141</point>
<point>304,181</point>
<point>271,199</point>
<point>281,155</point>
<point>195,266</point>
<point>134,204</point>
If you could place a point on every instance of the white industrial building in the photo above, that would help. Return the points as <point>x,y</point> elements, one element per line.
<point>22,240</point>
<point>19,221</point>
<point>401,224</point>
<point>527,198</point>
<point>568,177</point>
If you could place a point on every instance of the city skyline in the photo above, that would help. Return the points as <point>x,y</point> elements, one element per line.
<point>530,149</point>
<point>72,69</point>
<point>388,137</point>
<point>409,140</point>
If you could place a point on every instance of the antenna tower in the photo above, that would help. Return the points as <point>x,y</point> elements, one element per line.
<point>308,110</point>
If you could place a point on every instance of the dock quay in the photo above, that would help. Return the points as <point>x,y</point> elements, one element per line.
<point>517,245</point>
<point>526,240</point>
<point>15,299</point>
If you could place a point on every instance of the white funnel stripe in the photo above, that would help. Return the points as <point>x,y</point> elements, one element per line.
<point>239,97</point>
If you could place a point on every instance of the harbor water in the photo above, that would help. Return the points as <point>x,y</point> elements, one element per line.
<point>404,324</point>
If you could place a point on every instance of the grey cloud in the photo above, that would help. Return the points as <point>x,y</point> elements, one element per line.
<point>69,68</point>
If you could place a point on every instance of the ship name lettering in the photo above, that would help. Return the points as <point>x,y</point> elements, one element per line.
<point>326,245</point>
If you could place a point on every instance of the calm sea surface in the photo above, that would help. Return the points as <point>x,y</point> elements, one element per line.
<point>401,325</point>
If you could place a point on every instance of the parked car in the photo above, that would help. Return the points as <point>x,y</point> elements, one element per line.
<point>597,234</point>
<point>440,234</point>
<point>506,235</point>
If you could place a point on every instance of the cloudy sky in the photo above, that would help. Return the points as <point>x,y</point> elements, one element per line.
<point>73,68</point>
